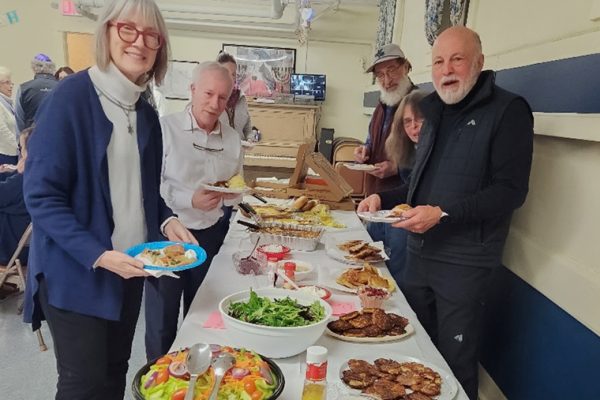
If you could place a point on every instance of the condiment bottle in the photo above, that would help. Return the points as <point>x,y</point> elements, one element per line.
<point>272,270</point>
<point>289,268</point>
<point>315,383</point>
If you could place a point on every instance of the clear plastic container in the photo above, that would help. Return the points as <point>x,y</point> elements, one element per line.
<point>255,265</point>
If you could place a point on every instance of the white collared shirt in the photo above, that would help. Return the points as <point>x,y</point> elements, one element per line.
<point>186,166</point>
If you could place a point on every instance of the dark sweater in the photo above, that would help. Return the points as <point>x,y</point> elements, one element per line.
<point>473,161</point>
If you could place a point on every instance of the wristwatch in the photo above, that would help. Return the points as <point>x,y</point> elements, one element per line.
<point>444,217</point>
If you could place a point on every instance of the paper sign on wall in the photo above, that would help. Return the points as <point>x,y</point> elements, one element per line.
<point>8,18</point>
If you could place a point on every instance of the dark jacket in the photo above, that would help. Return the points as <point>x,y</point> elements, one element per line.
<point>31,94</point>
<point>482,178</point>
<point>14,217</point>
<point>67,194</point>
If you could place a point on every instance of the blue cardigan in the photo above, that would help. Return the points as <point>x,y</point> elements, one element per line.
<point>67,194</point>
<point>13,217</point>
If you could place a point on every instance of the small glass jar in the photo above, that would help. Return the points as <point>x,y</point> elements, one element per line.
<point>372,297</point>
<point>289,268</point>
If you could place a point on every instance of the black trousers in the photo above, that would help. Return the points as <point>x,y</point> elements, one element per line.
<point>92,354</point>
<point>163,295</point>
<point>449,301</point>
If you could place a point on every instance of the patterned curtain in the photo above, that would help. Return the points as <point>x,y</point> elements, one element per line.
<point>385,22</point>
<point>435,11</point>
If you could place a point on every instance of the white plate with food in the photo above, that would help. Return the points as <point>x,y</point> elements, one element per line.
<point>360,167</point>
<point>435,382</point>
<point>223,189</point>
<point>356,252</point>
<point>385,216</point>
<point>370,326</point>
<point>367,275</point>
<point>303,269</point>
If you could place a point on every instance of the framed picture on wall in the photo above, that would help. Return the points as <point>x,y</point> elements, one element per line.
<point>263,71</point>
<point>178,80</point>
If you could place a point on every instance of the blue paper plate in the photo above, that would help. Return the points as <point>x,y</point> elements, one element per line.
<point>200,254</point>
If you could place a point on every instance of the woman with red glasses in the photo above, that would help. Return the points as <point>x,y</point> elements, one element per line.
<point>91,186</point>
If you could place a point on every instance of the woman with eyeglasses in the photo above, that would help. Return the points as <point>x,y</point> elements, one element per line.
<point>400,148</point>
<point>91,186</point>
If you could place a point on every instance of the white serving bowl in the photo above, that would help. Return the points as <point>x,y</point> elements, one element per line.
<point>274,342</point>
<point>303,268</point>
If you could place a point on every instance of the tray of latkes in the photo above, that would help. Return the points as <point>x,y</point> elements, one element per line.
<point>398,377</point>
<point>354,278</point>
<point>370,325</point>
<point>296,237</point>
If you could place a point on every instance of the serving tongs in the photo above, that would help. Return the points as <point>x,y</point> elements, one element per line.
<point>248,209</point>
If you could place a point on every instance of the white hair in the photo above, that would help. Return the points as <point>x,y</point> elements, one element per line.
<point>210,66</point>
<point>4,73</point>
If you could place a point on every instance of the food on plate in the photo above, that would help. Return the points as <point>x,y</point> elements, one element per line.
<point>170,256</point>
<point>280,312</point>
<point>359,250</point>
<point>399,209</point>
<point>319,214</point>
<point>354,278</point>
<point>235,182</point>
<point>301,233</point>
<point>372,297</point>
<point>369,322</point>
<point>299,203</point>
<point>391,380</point>
<point>168,377</point>
<point>272,248</point>
<point>316,291</point>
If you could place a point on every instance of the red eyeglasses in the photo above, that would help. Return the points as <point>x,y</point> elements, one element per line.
<point>129,34</point>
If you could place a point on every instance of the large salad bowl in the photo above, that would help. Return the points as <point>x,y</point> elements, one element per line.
<point>273,341</point>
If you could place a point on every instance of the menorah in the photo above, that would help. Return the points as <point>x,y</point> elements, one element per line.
<point>282,78</point>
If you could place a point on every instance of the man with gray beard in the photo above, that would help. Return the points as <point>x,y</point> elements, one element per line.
<point>471,172</point>
<point>390,68</point>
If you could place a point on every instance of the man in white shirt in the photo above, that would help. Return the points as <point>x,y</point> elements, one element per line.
<point>197,150</point>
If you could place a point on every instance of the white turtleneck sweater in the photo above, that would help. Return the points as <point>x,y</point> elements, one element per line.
<point>124,169</point>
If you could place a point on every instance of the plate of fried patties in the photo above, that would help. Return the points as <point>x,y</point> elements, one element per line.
<point>370,325</point>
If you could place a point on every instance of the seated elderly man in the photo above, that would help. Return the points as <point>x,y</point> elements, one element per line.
<point>197,150</point>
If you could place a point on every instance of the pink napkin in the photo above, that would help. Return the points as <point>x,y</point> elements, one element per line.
<point>340,307</point>
<point>214,321</point>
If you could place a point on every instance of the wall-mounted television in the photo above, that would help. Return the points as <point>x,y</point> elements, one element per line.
<point>308,85</point>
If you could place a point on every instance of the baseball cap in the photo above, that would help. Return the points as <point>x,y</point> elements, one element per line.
<point>42,57</point>
<point>388,52</point>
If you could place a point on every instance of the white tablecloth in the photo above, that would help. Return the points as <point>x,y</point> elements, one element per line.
<point>222,280</point>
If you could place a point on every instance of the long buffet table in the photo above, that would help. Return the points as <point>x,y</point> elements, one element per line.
<point>222,280</point>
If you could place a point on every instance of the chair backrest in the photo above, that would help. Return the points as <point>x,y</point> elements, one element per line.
<point>24,241</point>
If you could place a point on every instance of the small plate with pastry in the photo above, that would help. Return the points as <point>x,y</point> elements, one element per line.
<point>356,252</point>
<point>235,185</point>
<point>386,216</point>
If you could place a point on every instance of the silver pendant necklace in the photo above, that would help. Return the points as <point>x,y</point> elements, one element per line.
<point>127,108</point>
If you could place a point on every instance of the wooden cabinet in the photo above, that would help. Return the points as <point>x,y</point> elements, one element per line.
<point>283,128</point>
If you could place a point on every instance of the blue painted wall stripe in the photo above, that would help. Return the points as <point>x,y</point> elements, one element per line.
<point>533,349</point>
<point>570,85</point>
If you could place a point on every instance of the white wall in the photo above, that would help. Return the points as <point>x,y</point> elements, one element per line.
<point>41,29</point>
<point>553,243</point>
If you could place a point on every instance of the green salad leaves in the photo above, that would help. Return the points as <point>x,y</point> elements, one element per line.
<point>284,312</point>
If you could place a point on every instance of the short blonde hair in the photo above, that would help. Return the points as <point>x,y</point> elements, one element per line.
<point>151,14</point>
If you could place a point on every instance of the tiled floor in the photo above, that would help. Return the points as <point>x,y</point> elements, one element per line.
<point>26,373</point>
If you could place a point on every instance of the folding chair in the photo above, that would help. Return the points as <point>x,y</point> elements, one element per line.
<point>13,268</point>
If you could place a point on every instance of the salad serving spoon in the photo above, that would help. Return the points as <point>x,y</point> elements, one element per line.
<point>198,360</point>
<point>221,364</point>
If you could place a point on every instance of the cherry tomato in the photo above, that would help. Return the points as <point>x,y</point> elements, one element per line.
<point>163,376</point>
<point>249,386</point>
<point>258,395</point>
<point>164,360</point>
<point>179,395</point>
